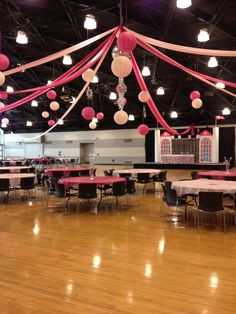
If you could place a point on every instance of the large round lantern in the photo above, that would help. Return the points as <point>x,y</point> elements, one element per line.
<point>120,117</point>
<point>195,94</point>
<point>92,125</point>
<point>51,94</point>
<point>54,105</point>
<point>100,115</point>
<point>45,114</point>
<point>126,41</point>
<point>197,103</point>
<point>121,66</point>
<point>5,121</point>
<point>88,75</point>
<point>3,95</point>
<point>2,105</point>
<point>143,129</point>
<point>2,78</point>
<point>143,96</point>
<point>51,122</point>
<point>4,61</point>
<point>88,113</point>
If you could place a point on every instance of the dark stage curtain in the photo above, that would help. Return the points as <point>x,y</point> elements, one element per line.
<point>149,146</point>
<point>226,144</point>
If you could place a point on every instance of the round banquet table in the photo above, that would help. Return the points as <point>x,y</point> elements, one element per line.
<point>14,169</point>
<point>133,171</point>
<point>15,177</point>
<point>217,174</point>
<point>204,185</point>
<point>99,180</point>
<point>66,170</point>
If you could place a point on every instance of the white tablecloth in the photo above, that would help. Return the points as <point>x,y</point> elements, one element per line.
<point>14,169</point>
<point>204,185</point>
<point>15,177</point>
<point>134,171</point>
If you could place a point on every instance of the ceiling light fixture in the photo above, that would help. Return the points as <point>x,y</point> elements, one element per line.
<point>67,60</point>
<point>95,79</point>
<point>160,91</point>
<point>90,22</point>
<point>225,111</point>
<point>183,4</point>
<point>3,125</point>
<point>21,38</point>
<point>212,63</point>
<point>112,96</point>
<point>34,103</point>
<point>220,85</point>
<point>174,114</point>
<point>49,82</point>
<point>146,71</point>
<point>203,36</point>
<point>60,122</point>
<point>131,117</point>
<point>9,89</point>
<point>29,123</point>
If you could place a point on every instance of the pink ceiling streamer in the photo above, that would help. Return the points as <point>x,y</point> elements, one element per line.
<point>63,80</point>
<point>151,103</point>
<point>200,76</point>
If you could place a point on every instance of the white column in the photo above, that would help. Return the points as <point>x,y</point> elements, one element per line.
<point>215,144</point>
<point>157,134</point>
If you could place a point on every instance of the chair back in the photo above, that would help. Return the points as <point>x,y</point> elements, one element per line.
<point>74,173</point>
<point>106,173</point>
<point>194,175</point>
<point>27,183</point>
<point>18,163</point>
<point>87,190</point>
<point>119,188</point>
<point>230,178</point>
<point>142,177</point>
<point>171,197</point>
<point>85,173</point>
<point>57,174</point>
<point>4,170</point>
<point>32,170</point>
<point>7,163</point>
<point>168,184</point>
<point>210,201</point>
<point>4,184</point>
<point>59,189</point>
<point>24,170</point>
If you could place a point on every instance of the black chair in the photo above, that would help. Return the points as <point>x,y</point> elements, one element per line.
<point>168,184</point>
<point>194,175</point>
<point>160,178</point>
<point>173,201</point>
<point>107,173</point>
<point>85,173</point>
<point>7,164</point>
<point>32,170</point>
<point>87,191</point>
<point>232,207</point>
<point>18,163</point>
<point>4,170</point>
<point>24,170</point>
<point>230,178</point>
<point>57,174</point>
<point>27,184</point>
<point>210,203</point>
<point>118,190</point>
<point>5,187</point>
<point>143,178</point>
<point>74,173</point>
<point>105,189</point>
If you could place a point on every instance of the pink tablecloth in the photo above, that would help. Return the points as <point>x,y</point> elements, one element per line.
<point>217,174</point>
<point>66,170</point>
<point>99,180</point>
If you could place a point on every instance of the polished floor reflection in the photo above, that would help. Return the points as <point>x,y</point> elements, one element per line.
<point>123,261</point>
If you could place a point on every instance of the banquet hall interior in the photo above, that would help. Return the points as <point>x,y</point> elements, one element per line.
<point>117,156</point>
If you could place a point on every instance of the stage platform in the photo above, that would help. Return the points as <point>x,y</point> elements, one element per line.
<point>156,165</point>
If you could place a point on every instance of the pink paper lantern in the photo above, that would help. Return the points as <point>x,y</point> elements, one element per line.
<point>197,103</point>
<point>51,122</point>
<point>100,115</point>
<point>195,94</point>
<point>144,96</point>
<point>2,78</point>
<point>88,113</point>
<point>120,117</point>
<point>45,114</point>
<point>51,94</point>
<point>4,62</point>
<point>126,41</point>
<point>3,95</point>
<point>143,129</point>
<point>54,105</point>
<point>121,66</point>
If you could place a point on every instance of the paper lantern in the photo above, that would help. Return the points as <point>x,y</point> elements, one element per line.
<point>126,41</point>
<point>51,122</point>
<point>100,115</point>
<point>4,62</point>
<point>5,121</point>
<point>143,96</point>
<point>2,78</point>
<point>92,125</point>
<point>195,94</point>
<point>45,114</point>
<point>3,95</point>
<point>120,117</point>
<point>197,103</point>
<point>121,88</point>
<point>54,105</point>
<point>88,75</point>
<point>121,101</point>
<point>143,129</point>
<point>115,52</point>
<point>51,94</point>
<point>88,113</point>
<point>2,105</point>
<point>121,66</point>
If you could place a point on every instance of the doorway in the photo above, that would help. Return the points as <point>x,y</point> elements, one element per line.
<point>86,149</point>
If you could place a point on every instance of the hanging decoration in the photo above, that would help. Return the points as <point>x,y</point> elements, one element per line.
<point>5,121</point>
<point>45,114</point>
<point>2,78</point>
<point>126,41</point>
<point>88,75</point>
<point>88,113</point>
<point>2,105</point>
<point>3,95</point>
<point>143,96</point>
<point>54,105</point>
<point>100,115</point>
<point>143,129</point>
<point>92,125</point>
<point>51,94</point>
<point>197,103</point>
<point>121,117</point>
<point>4,62</point>
<point>51,122</point>
<point>195,94</point>
<point>121,66</point>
